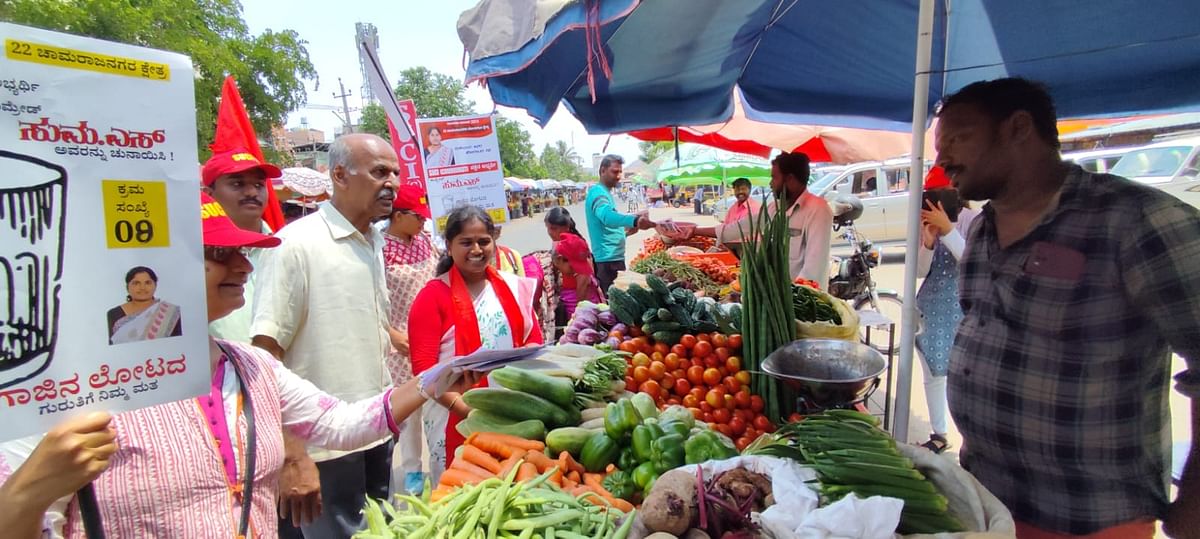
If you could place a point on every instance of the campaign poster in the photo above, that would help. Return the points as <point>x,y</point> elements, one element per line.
<point>102,302</point>
<point>462,166</point>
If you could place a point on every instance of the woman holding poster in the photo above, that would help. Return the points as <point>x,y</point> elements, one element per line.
<point>142,317</point>
<point>436,153</point>
<point>209,466</point>
<point>469,306</point>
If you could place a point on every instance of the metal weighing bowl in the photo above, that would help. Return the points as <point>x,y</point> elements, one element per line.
<point>828,372</point>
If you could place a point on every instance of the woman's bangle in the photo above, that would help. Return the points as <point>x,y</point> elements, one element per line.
<point>455,401</point>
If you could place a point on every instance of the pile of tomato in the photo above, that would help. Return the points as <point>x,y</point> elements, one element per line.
<point>703,373</point>
<point>715,270</point>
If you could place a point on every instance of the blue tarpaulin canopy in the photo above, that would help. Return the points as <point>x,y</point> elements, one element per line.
<point>881,64</point>
<point>838,63</point>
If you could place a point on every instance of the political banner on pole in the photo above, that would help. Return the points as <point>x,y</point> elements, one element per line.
<point>462,165</point>
<point>412,171</point>
<point>102,302</point>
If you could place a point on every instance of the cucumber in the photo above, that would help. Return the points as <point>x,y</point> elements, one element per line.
<point>481,421</point>
<point>560,391</point>
<point>649,316</point>
<point>671,338</point>
<point>655,327</point>
<point>644,298</point>
<point>518,405</point>
<point>680,314</point>
<point>665,315</point>
<point>569,439</point>
<point>623,306</point>
<point>657,285</point>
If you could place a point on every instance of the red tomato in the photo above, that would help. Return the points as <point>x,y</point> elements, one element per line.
<point>735,341</point>
<point>640,342</point>
<point>640,360</point>
<point>655,356</point>
<point>738,426</point>
<point>702,349</point>
<point>690,401</point>
<point>673,401</point>
<point>635,331</point>
<point>682,387</point>
<point>672,361</point>
<point>715,398</point>
<point>730,402</point>
<point>616,334</point>
<point>724,429</point>
<point>697,414</point>
<point>688,341</point>
<point>650,387</point>
<point>685,364</point>
<point>706,407</point>
<point>630,383</point>
<point>662,348</point>
<point>722,415</point>
<point>742,443</point>
<point>762,423</point>
<point>743,399</point>
<point>756,403</point>
<point>698,392</point>
<point>704,337</point>
<point>722,353</point>
<point>745,415</point>
<point>712,377</point>
<point>657,370</point>
<point>708,418</point>
<point>795,417</point>
<point>628,347</point>
<point>743,377</point>
<point>680,350</point>
<point>719,340</point>
<point>695,375</point>
<point>641,374</point>
<point>679,373</point>
<point>732,385</point>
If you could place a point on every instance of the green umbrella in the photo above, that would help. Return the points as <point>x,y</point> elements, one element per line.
<point>717,172</point>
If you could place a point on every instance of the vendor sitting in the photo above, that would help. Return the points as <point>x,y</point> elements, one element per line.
<point>573,261</point>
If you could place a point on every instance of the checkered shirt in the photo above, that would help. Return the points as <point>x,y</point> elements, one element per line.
<point>1059,383</point>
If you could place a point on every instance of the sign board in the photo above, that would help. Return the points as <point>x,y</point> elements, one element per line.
<point>462,166</point>
<point>102,302</point>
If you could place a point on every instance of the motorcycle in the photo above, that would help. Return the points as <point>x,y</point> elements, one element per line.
<point>853,281</point>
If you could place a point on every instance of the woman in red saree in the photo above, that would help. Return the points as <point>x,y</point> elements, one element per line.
<point>469,306</point>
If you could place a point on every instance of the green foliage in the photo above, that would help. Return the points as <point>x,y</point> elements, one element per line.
<point>516,151</point>
<point>270,68</point>
<point>561,162</point>
<point>652,150</point>
<point>374,120</point>
<point>434,94</point>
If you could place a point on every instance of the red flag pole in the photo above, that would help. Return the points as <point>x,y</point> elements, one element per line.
<point>234,130</point>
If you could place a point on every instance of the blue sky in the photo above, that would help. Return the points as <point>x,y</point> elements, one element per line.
<point>411,33</point>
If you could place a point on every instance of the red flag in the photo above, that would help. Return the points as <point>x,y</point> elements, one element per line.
<point>235,131</point>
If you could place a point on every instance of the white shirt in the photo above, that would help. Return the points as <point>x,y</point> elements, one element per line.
<point>322,295</point>
<point>810,225</point>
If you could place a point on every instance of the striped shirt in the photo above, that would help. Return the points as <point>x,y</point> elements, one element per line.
<point>1059,373</point>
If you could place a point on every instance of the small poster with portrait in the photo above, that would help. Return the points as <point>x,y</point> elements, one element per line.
<point>102,303</point>
<point>462,166</point>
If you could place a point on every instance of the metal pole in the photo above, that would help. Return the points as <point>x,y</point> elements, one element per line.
<point>345,107</point>
<point>912,245</point>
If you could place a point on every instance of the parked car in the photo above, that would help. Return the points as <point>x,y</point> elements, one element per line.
<point>1162,163</point>
<point>885,203</point>
<point>1097,160</point>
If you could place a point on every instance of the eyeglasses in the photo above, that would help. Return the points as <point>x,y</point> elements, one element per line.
<point>222,255</point>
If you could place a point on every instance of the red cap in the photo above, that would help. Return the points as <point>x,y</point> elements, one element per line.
<point>233,162</point>
<point>936,179</point>
<point>219,230</point>
<point>575,250</point>
<point>412,198</point>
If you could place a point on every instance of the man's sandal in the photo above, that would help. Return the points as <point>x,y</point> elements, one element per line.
<point>937,443</point>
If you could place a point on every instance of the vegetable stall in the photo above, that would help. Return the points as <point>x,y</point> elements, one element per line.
<point>653,414</point>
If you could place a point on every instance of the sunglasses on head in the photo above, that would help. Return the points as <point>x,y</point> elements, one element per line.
<point>222,255</point>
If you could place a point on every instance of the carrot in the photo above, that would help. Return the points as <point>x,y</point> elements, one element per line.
<point>478,457</point>
<point>462,464</point>
<point>527,471</point>
<point>574,477</point>
<point>568,484</point>
<point>572,464</point>
<point>593,479</point>
<point>440,492</point>
<point>557,476</point>
<point>610,469</point>
<point>495,443</point>
<point>454,477</point>
<point>593,485</point>
<point>539,459</point>
<point>510,463</point>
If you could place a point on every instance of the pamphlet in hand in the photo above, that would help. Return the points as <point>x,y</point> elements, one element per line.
<point>439,378</point>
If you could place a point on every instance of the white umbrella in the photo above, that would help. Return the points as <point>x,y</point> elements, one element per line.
<point>306,181</point>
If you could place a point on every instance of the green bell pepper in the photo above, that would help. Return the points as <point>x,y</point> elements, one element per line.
<point>645,405</point>
<point>620,484</point>
<point>707,445</point>
<point>675,427</point>
<point>668,453</point>
<point>627,459</point>
<point>643,474</point>
<point>598,452</point>
<point>620,418</point>
<point>643,436</point>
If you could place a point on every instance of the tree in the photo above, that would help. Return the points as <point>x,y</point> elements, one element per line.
<point>653,150</point>
<point>270,68</point>
<point>434,94</point>
<point>561,162</point>
<point>516,151</point>
<point>374,120</point>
